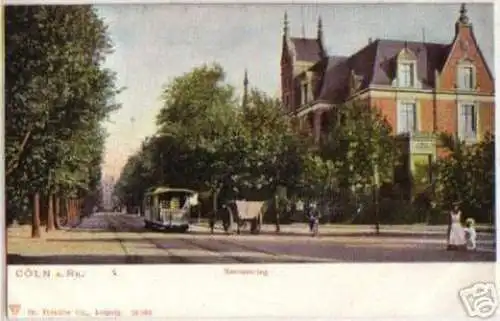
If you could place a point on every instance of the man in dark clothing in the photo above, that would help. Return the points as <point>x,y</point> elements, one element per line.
<point>211,223</point>
<point>312,215</point>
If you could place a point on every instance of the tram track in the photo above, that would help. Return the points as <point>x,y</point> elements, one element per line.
<point>117,226</point>
<point>235,258</point>
<point>120,224</point>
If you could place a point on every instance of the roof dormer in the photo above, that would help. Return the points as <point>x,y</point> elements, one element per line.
<point>406,69</point>
<point>354,82</point>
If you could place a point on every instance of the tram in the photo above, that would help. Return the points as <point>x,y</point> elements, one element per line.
<point>169,208</point>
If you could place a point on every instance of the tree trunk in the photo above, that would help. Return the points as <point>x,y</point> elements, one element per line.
<point>214,200</point>
<point>35,217</point>
<point>375,194</point>
<point>43,209</point>
<point>57,212</point>
<point>50,213</point>
<point>14,163</point>
<point>277,209</point>
<point>66,211</point>
<point>78,209</point>
<point>71,211</point>
<point>215,195</point>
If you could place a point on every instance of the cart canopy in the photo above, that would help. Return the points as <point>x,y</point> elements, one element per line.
<point>247,210</point>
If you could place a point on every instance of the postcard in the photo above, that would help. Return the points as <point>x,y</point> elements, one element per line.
<point>186,161</point>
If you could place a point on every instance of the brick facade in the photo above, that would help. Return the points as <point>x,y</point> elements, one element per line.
<point>371,75</point>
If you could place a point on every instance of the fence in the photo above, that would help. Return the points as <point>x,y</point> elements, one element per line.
<point>347,207</point>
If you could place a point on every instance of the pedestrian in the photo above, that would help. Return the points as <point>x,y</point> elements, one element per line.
<point>313,216</point>
<point>470,234</point>
<point>211,222</point>
<point>315,220</point>
<point>456,237</point>
<point>309,213</point>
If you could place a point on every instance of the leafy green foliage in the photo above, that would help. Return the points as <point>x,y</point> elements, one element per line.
<point>57,94</point>
<point>360,142</point>
<point>467,175</point>
<point>206,141</point>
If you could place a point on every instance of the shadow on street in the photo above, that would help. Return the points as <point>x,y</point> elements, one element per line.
<point>304,233</point>
<point>13,259</point>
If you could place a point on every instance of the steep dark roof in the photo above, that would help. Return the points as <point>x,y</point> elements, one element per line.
<point>322,67</point>
<point>334,79</point>
<point>430,56</point>
<point>307,49</point>
<point>375,64</point>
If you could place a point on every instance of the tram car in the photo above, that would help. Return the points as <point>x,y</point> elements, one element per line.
<point>169,208</point>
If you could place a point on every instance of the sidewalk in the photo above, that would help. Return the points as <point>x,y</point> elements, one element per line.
<point>345,229</point>
<point>60,242</point>
<point>90,241</point>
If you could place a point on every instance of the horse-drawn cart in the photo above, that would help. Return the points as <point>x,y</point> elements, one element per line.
<point>238,213</point>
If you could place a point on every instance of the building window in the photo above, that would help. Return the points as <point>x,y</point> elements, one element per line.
<point>467,122</point>
<point>406,74</point>
<point>407,118</point>
<point>466,77</point>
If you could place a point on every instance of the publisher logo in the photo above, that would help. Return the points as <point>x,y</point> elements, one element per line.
<point>14,309</point>
<point>479,300</point>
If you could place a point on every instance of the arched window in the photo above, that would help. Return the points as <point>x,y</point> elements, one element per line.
<point>466,75</point>
<point>406,73</point>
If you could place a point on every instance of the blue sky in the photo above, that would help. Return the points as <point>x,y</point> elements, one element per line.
<point>156,42</point>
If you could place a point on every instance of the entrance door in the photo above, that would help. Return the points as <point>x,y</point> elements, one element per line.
<point>422,169</point>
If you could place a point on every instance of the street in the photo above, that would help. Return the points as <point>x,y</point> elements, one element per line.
<point>115,238</point>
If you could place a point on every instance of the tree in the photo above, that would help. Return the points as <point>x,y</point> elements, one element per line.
<point>359,140</point>
<point>137,176</point>
<point>56,93</point>
<point>274,154</point>
<point>362,148</point>
<point>197,121</point>
<point>467,175</point>
<point>208,142</point>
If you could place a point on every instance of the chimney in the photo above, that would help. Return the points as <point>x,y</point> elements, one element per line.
<point>370,40</point>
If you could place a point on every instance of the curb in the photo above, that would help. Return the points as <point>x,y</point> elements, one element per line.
<point>301,231</point>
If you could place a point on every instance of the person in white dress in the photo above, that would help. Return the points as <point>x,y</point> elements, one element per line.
<point>456,237</point>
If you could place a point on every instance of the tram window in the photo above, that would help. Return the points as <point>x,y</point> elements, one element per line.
<point>164,204</point>
<point>174,203</point>
<point>173,200</point>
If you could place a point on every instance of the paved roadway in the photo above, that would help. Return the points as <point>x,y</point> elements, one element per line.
<point>200,246</point>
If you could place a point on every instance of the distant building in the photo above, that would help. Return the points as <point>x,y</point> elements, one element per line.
<point>108,185</point>
<point>421,88</point>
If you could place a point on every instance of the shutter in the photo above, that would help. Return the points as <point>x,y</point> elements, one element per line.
<point>401,122</point>
<point>413,117</point>
<point>461,127</point>
<point>473,119</point>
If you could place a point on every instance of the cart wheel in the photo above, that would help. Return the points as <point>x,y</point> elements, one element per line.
<point>257,228</point>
